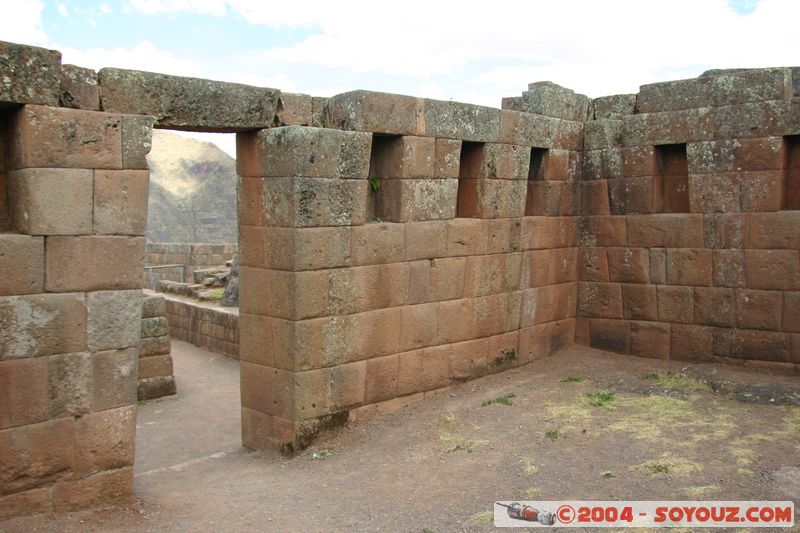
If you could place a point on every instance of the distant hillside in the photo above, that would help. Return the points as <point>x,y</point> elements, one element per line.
<point>192,191</point>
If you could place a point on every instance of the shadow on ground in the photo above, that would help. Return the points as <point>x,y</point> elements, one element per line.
<point>582,424</point>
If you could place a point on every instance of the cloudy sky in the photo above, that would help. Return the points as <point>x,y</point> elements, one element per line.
<point>468,51</point>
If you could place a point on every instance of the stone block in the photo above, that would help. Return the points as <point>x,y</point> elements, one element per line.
<point>154,346</point>
<point>425,240</point>
<point>318,104</point>
<point>762,191</point>
<point>642,194</point>
<point>381,379</point>
<point>115,375</point>
<point>36,455</point>
<point>491,198</point>
<point>295,248</point>
<point>615,106</point>
<point>594,198</point>
<point>79,88</point>
<point>552,198</point>
<point>455,321</point>
<point>629,265</point>
<point>758,344</point>
<point>552,100</point>
<point>650,339</point>
<point>155,366</point>
<point>715,193</point>
<point>669,127</point>
<point>70,384</point>
<point>791,311</point>
<point>675,95</point>
<point>602,134</point>
<point>447,158</point>
<point>294,109</point>
<point>752,85</point>
<point>27,502</point>
<point>42,324</point>
<point>729,268</point>
<point>23,392</point>
<point>689,267</point>
<point>52,137</point>
<point>282,294</point>
<point>601,300</point>
<point>312,202</point>
<point>375,112</point>
<point>604,231</point>
<point>435,371</point>
<point>714,306</point>
<point>297,151</point>
<point>24,256</point>
<point>348,384</point>
<point>402,156</point>
<point>756,154</point>
<point>418,326</point>
<point>495,161</point>
<point>154,327</point>
<point>456,120</point>
<point>115,319</point>
<point>154,306</point>
<point>675,304</point>
<point>373,334</point>
<point>639,161</point>
<point>593,264</point>
<point>639,302</point>
<point>775,230</point>
<point>30,75</point>
<point>691,343</point>
<point>468,360</point>
<point>673,230</point>
<point>414,200</point>
<point>772,269</point>
<point>109,487</point>
<point>758,309</point>
<point>120,201</point>
<point>528,129</point>
<point>446,279</point>
<point>105,440</point>
<point>157,387</point>
<point>210,106</point>
<point>752,120</point>
<point>658,266</point>
<point>51,201</point>
<point>610,335</point>
<point>467,236</point>
<point>137,140</point>
<point>377,243</point>
<point>504,235</point>
<point>90,263</point>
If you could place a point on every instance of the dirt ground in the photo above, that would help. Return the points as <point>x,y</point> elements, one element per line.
<point>582,424</point>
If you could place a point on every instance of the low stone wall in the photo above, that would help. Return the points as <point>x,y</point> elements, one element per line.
<point>193,256</point>
<point>156,377</point>
<point>203,324</point>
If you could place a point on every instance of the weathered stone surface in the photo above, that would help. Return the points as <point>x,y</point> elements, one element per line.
<point>756,85</point>
<point>70,384</point>
<point>306,152</point>
<point>155,366</point>
<point>36,455</point>
<point>114,319</point>
<point>22,259</point>
<point>42,324</point>
<point>602,134</point>
<point>120,201</point>
<point>403,156</point>
<point>111,486</point>
<point>79,88</point>
<point>23,392</point>
<point>29,75</point>
<point>154,346</point>
<point>157,387</point>
<point>413,200</point>
<point>675,95</point>
<point>52,137</point>
<point>375,112</point>
<point>154,327</point>
<point>94,262</point>
<point>187,103</point>
<point>318,104</point>
<point>154,306</point>
<point>105,440</point>
<point>669,127</point>
<point>307,202</point>
<point>455,120</point>
<point>114,378</point>
<point>552,100</point>
<point>294,110</point>
<point>52,201</point>
<point>615,106</point>
<point>137,140</point>
<point>529,130</point>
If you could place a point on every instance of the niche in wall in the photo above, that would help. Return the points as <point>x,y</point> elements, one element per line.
<point>536,196</point>
<point>792,172</point>
<point>469,170</point>
<point>673,170</point>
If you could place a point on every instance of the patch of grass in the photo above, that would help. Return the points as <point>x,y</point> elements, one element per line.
<point>553,435</point>
<point>214,294</point>
<point>569,414</point>
<point>483,517</point>
<point>532,493</point>
<point>456,442</point>
<point>670,464</point>
<point>322,454</point>
<point>676,381</point>
<point>505,399</point>
<point>607,475</point>
<point>601,399</point>
<point>528,465</point>
<point>701,492</point>
<point>573,379</point>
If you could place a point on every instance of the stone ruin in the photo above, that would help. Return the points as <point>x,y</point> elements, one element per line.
<point>390,246</point>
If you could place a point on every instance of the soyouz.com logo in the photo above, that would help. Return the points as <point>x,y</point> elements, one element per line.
<point>621,514</point>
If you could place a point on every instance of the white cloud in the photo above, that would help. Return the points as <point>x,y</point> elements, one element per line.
<point>142,56</point>
<point>62,10</point>
<point>24,25</point>
<point>171,7</point>
<point>105,8</point>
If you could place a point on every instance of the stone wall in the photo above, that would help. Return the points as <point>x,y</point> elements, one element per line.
<point>156,377</point>
<point>204,324</point>
<point>192,256</point>
<point>404,245</point>
<point>690,220</point>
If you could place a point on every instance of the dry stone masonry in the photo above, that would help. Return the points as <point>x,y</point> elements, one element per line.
<point>155,375</point>
<point>389,246</point>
